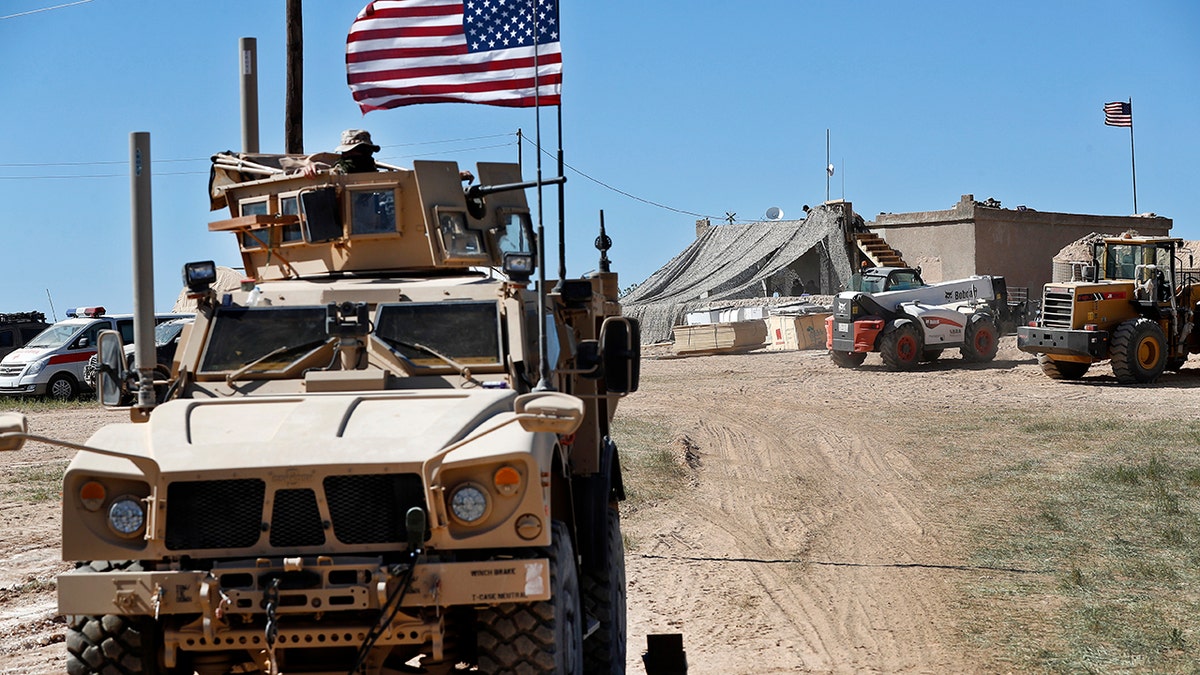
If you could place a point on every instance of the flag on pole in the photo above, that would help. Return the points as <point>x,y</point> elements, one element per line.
<point>1118,114</point>
<point>404,52</point>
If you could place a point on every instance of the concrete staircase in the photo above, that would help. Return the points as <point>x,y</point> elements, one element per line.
<point>876,250</point>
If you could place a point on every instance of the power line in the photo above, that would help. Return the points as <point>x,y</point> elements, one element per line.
<point>44,9</point>
<point>634,197</point>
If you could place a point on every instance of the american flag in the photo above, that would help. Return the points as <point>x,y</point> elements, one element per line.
<point>1118,114</point>
<point>403,52</point>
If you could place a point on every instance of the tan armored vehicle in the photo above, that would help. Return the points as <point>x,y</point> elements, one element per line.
<point>387,445</point>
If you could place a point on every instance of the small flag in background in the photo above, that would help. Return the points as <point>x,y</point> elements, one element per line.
<point>1118,114</point>
<point>404,52</point>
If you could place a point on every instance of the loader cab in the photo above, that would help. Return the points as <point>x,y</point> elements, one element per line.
<point>881,279</point>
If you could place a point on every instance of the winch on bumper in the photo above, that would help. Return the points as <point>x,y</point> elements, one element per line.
<point>308,602</point>
<point>1092,344</point>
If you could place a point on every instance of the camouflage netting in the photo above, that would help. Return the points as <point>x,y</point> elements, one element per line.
<point>731,262</point>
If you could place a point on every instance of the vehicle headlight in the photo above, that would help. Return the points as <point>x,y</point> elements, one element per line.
<point>37,366</point>
<point>126,517</point>
<point>468,503</point>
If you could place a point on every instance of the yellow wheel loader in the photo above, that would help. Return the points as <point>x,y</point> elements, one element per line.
<point>1132,307</point>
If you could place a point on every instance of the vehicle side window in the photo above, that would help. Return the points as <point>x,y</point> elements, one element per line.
<point>7,339</point>
<point>125,328</point>
<point>88,338</point>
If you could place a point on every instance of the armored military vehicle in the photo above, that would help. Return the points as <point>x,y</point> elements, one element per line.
<point>388,448</point>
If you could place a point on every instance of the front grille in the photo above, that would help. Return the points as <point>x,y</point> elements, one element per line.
<point>220,514</point>
<point>214,513</point>
<point>371,509</point>
<point>295,519</point>
<point>11,371</point>
<point>1056,309</point>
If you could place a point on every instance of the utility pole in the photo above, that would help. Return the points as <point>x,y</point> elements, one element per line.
<point>294,114</point>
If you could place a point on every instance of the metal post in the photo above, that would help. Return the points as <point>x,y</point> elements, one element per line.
<point>248,51</point>
<point>143,267</point>
<point>1132,157</point>
<point>294,112</point>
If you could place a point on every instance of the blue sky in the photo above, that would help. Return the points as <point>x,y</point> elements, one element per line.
<point>719,107</point>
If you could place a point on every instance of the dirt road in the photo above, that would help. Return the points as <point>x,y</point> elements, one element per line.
<point>813,532</point>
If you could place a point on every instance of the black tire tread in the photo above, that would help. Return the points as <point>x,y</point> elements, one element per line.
<point>1123,352</point>
<point>523,637</point>
<point>603,595</point>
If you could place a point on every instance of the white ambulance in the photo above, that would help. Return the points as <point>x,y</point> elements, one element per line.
<point>52,363</point>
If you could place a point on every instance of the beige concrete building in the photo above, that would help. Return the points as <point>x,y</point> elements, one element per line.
<point>983,238</point>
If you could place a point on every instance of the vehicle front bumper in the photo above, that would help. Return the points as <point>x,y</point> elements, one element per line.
<point>19,385</point>
<point>1092,344</point>
<point>338,590</point>
<point>847,335</point>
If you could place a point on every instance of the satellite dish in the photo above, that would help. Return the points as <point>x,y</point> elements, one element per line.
<point>774,213</point>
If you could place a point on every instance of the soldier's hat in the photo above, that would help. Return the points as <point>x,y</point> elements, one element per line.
<point>354,138</point>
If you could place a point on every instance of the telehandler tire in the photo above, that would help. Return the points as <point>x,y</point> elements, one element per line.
<point>1062,370</point>
<point>848,359</point>
<point>981,339</point>
<point>901,346</point>
<point>1139,351</point>
<point>537,637</point>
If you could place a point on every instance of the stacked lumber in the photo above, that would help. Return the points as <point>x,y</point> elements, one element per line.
<point>718,338</point>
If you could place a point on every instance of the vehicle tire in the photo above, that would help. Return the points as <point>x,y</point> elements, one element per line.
<point>981,339</point>
<point>603,595</point>
<point>111,644</point>
<point>537,637</point>
<point>1062,370</point>
<point>848,359</point>
<point>1138,351</point>
<point>930,355</point>
<point>62,387</point>
<point>901,346</point>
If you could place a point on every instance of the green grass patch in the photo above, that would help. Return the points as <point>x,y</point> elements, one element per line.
<point>653,469</point>
<point>1106,515</point>
<point>35,483</point>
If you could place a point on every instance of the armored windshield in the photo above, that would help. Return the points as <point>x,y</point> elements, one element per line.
<point>277,337</point>
<point>467,332</point>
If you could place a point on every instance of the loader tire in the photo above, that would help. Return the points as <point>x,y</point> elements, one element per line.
<point>1062,370</point>
<point>603,593</point>
<point>981,339</point>
<point>111,644</point>
<point>541,637</point>
<point>848,359</point>
<point>901,347</point>
<point>1138,353</point>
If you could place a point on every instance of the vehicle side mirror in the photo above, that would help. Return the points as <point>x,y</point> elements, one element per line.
<point>12,423</point>
<point>112,373</point>
<point>588,360</point>
<point>549,411</point>
<point>621,352</point>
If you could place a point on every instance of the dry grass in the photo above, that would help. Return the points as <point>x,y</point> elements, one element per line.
<point>33,483</point>
<point>1099,519</point>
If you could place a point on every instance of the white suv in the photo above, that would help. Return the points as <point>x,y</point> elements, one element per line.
<point>52,363</point>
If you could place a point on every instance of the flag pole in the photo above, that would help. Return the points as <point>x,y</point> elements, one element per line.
<point>1132,157</point>
<point>562,214</point>
<point>544,383</point>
